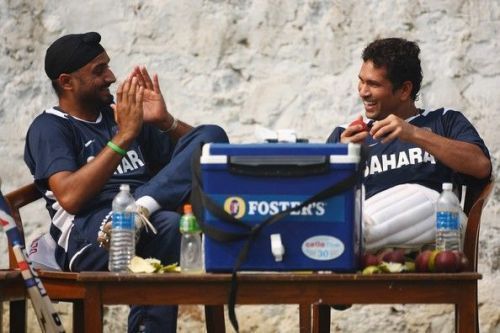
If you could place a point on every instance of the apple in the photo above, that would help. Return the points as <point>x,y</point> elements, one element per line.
<point>361,123</point>
<point>369,259</point>
<point>395,256</point>
<point>463,262</point>
<point>381,253</point>
<point>446,262</point>
<point>422,261</point>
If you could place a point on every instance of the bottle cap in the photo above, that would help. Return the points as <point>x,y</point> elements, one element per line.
<point>188,209</point>
<point>188,221</point>
<point>447,186</point>
<point>125,187</point>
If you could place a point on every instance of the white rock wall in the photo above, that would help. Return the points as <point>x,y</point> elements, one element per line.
<point>277,64</point>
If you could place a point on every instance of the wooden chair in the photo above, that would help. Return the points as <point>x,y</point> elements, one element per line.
<point>321,313</point>
<point>68,287</point>
<point>12,290</point>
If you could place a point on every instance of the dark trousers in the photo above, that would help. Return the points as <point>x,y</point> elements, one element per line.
<point>170,187</point>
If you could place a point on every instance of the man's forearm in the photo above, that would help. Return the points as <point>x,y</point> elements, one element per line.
<point>74,189</point>
<point>463,157</point>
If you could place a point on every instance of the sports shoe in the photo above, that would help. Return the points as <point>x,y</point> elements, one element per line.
<point>141,221</point>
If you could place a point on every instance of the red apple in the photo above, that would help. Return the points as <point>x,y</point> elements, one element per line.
<point>359,122</point>
<point>382,252</point>
<point>463,262</point>
<point>396,256</point>
<point>369,259</point>
<point>422,261</point>
<point>446,262</point>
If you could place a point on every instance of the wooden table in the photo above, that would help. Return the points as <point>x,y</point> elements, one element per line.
<point>276,288</point>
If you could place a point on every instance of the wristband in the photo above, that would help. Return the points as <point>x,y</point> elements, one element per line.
<point>172,127</point>
<point>116,148</point>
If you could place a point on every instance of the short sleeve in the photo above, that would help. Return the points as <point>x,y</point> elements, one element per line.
<point>458,127</point>
<point>50,147</point>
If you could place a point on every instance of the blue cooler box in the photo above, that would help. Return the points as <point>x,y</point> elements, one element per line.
<point>254,181</point>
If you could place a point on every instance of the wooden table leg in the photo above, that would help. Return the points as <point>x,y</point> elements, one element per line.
<point>92,310</point>
<point>78,317</point>
<point>214,319</point>
<point>321,318</point>
<point>305,318</point>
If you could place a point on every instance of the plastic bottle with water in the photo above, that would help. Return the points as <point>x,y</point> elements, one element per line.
<point>122,246</point>
<point>191,243</point>
<point>448,220</point>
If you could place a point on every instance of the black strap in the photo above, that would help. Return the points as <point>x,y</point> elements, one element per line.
<point>200,200</point>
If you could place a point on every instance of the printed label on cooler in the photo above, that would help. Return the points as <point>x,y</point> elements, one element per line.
<point>257,208</point>
<point>323,247</point>
<point>123,220</point>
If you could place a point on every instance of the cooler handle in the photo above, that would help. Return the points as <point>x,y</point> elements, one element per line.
<point>278,166</point>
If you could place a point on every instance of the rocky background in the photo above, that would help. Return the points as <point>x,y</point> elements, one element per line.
<point>276,64</point>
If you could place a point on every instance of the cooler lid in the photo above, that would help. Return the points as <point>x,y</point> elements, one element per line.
<point>280,153</point>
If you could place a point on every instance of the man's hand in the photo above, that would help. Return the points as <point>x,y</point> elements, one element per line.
<point>128,108</point>
<point>354,133</point>
<point>154,106</point>
<point>392,127</point>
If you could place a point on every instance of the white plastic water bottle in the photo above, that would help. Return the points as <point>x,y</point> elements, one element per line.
<point>191,244</point>
<point>122,246</point>
<point>448,220</point>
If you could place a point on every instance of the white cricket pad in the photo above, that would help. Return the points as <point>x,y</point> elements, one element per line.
<point>401,216</point>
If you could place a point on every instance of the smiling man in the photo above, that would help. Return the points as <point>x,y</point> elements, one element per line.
<point>409,149</point>
<point>82,149</point>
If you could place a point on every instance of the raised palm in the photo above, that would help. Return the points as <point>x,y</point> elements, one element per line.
<point>155,108</point>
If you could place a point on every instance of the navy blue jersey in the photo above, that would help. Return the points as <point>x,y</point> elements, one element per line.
<point>59,142</point>
<point>401,162</point>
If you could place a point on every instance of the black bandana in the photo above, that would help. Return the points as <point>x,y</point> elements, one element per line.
<point>71,52</point>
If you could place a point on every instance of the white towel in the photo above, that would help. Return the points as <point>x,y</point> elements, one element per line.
<point>42,253</point>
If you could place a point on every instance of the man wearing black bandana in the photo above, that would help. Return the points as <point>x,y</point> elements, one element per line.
<point>81,150</point>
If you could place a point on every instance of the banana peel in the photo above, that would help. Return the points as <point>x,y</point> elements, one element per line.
<point>389,267</point>
<point>151,265</point>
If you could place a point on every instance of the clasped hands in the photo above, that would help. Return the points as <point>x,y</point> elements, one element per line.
<point>139,100</point>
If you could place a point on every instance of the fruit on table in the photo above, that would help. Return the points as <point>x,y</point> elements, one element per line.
<point>395,256</point>
<point>369,270</point>
<point>359,122</point>
<point>409,266</point>
<point>369,259</point>
<point>446,262</point>
<point>150,265</point>
<point>463,262</point>
<point>394,261</point>
<point>140,265</point>
<point>391,267</point>
<point>432,260</point>
<point>422,261</point>
<point>441,261</point>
